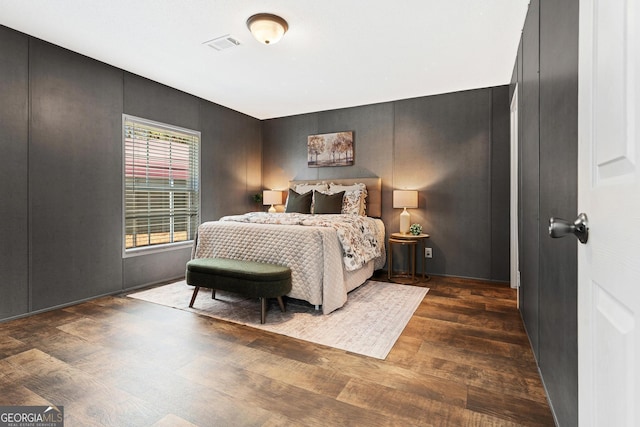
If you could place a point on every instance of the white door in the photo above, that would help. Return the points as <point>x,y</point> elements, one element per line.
<point>609,193</point>
<point>514,250</point>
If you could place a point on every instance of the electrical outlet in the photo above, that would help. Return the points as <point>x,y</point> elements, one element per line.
<point>428,253</point>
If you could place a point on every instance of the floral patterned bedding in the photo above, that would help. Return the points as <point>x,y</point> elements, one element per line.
<point>359,236</point>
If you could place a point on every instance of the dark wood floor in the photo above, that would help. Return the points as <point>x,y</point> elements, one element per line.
<point>463,359</point>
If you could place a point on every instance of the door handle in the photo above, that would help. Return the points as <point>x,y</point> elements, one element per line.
<point>559,227</point>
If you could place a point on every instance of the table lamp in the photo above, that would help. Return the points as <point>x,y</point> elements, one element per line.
<point>272,197</point>
<point>405,199</point>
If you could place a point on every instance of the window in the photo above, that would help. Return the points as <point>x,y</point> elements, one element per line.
<point>161,184</point>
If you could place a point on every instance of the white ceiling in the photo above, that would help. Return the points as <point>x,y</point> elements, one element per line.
<point>337,53</point>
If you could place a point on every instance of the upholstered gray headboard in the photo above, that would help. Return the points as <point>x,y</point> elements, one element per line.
<point>374,191</point>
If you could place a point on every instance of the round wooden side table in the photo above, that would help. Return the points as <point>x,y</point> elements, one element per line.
<point>410,241</point>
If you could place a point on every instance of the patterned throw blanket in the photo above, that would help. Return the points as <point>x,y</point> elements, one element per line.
<point>358,235</point>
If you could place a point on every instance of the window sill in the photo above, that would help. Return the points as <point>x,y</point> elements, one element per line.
<point>129,253</point>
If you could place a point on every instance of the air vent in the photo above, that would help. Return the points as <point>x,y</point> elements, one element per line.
<point>222,43</point>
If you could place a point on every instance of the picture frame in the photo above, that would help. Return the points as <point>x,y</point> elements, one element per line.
<point>330,149</point>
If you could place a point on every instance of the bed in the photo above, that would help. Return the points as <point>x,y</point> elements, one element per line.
<point>329,254</point>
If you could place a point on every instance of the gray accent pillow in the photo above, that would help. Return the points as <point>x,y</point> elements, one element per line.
<point>300,203</point>
<point>327,203</point>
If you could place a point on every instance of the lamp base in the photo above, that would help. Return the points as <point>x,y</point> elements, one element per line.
<point>272,209</point>
<point>405,220</point>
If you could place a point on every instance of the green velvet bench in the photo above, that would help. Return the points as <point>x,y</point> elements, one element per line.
<point>249,278</point>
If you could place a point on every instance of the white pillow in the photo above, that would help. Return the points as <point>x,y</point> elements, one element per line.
<point>336,188</point>
<point>354,197</point>
<point>322,187</point>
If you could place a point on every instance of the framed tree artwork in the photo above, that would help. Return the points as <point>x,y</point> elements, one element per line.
<point>330,149</point>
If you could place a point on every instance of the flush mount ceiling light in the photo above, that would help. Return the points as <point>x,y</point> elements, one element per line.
<point>267,28</point>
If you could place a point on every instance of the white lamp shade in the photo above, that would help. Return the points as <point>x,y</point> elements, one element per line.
<point>267,28</point>
<point>405,199</point>
<point>271,197</point>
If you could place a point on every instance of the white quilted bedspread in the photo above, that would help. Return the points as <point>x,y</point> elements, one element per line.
<point>313,253</point>
<point>358,235</point>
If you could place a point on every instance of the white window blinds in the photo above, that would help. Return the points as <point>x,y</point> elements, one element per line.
<point>161,174</point>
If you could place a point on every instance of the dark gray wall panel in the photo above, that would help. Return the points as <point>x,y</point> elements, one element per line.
<point>14,134</point>
<point>443,149</point>
<point>500,183</point>
<point>440,145</point>
<point>155,268</point>
<point>231,161</point>
<point>547,74</point>
<point>373,143</point>
<point>558,197</point>
<point>151,100</point>
<point>63,239</point>
<point>75,164</point>
<point>285,147</point>
<point>530,168</point>
<point>373,140</point>
<point>284,154</point>
<point>154,101</point>
<point>252,129</point>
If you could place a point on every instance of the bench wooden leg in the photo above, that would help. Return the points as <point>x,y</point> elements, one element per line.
<point>193,297</point>
<point>281,303</point>
<point>263,309</point>
<point>213,294</point>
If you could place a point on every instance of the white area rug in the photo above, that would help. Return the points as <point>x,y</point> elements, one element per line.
<point>369,323</point>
